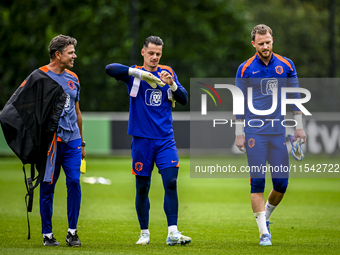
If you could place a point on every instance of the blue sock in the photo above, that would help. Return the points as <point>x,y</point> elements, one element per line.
<point>169,177</point>
<point>142,202</point>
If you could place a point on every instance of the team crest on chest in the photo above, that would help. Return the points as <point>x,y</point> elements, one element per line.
<point>279,69</point>
<point>71,84</point>
<point>153,97</point>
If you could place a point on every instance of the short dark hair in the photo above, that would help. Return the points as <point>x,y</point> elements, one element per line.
<point>59,43</point>
<point>153,39</point>
<point>261,29</point>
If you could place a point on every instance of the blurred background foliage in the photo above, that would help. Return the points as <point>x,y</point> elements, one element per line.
<point>203,38</point>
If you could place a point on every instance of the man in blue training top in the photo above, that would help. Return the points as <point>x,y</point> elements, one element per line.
<point>153,90</point>
<point>67,148</point>
<point>265,140</point>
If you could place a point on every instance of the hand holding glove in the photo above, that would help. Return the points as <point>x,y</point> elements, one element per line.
<point>152,80</point>
<point>296,151</point>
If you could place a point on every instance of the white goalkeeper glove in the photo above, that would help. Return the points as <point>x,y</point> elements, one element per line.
<point>171,97</point>
<point>152,80</point>
<point>296,151</point>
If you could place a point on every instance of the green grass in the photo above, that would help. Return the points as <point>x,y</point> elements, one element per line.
<point>216,213</point>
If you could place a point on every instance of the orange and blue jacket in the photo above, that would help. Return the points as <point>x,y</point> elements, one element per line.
<point>280,72</point>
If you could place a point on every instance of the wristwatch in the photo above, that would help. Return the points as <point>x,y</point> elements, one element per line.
<point>83,144</point>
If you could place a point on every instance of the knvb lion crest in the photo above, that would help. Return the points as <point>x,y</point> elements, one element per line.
<point>279,70</point>
<point>251,142</point>
<point>139,166</point>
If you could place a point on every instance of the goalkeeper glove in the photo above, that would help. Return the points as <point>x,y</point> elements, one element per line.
<point>171,98</point>
<point>296,151</point>
<point>152,80</point>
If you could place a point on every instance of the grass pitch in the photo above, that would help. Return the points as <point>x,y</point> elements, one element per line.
<point>215,213</point>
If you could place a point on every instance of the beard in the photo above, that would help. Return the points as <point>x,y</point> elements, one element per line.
<point>266,55</point>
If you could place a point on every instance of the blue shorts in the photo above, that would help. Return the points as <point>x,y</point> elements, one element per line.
<point>272,149</point>
<point>145,152</point>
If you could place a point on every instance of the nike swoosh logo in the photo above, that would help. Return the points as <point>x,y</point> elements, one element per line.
<point>79,147</point>
<point>284,143</point>
<point>256,72</point>
<point>173,161</point>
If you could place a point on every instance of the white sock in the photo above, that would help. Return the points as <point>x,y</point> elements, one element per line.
<point>145,231</point>
<point>72,231</point>
<point>49,235</point>
<point>172,228</point>
<point>269,210</point>
<point>261,222</point>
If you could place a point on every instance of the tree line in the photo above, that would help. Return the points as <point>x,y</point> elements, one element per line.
<point>202,38</point>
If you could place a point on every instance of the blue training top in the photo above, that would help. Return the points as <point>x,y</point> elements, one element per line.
<point>279,73</point>
<point>150,111</point>
<point>68,129</point>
